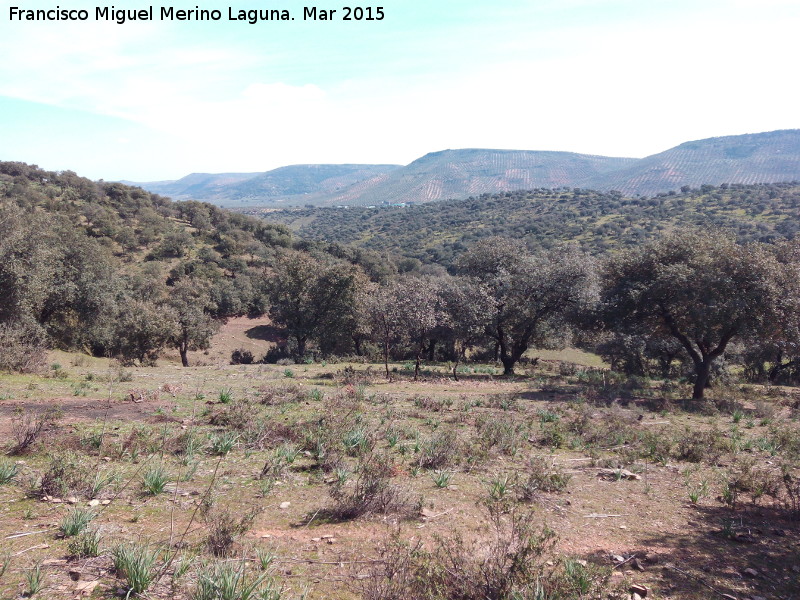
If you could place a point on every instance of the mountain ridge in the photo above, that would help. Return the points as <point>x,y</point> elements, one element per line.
<point>767,157</point>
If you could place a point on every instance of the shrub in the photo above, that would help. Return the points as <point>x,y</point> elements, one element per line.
<point>27,427</point>
<point>23,347</point>
<point>509,565</point>
<point>35,579</point>
<point>85,545</point>
<point>503,433</point>
<point>242,357</point>
<point>542,476</point>
<point>154,480</point>
<point>440,450</point>
<point>226,581</point>
<point>75,521</point>
<point>8,471</point>
<point>134,562</point>
<point>695,446</point>
<point>372,492</point>
<point>67,473</point>
<point>225,527</point>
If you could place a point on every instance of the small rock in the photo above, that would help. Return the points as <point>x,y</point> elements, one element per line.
<point>750,573</point>
<point>617,558</point>
<point>331,540</point>
<point>327,537</point>
<point>266,535</point>
<point>582,562</point>
<point>623,526</point>
<point>86,587</point>
<point>284,505</point>
<point>56,500</point>
<point>72,500</point>
<point>94,502</point>
<point>105,502</point>
<point>315,539</point>
<point>639,589</point>
<point>427,513</point>
<point>635,596</point>
<point>46,498</point>
<point>637,565</point>
<point>651,557</point>
<point>107,458</point>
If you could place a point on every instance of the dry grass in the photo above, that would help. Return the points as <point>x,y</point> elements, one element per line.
<point>715,493</point>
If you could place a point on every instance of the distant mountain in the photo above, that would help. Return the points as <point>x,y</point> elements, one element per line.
<point>197,186</point>
<point>296,184</point>
<point>752,158</point>
<point>462,173</point>
<point>452,174</point>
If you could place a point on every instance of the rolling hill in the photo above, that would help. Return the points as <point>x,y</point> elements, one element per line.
<point>437,232</point>
<point>769,157</point>
<point>753,158</point>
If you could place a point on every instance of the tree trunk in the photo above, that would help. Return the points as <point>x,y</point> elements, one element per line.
<point>301,347</point>
<point>432,350</point>
<point>184,350</point>
<point>702,370</point>
<point>416,365</point>
<point>508,364</point>
<point>386,357</point>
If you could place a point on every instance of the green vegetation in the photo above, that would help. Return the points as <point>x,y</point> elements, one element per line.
<point>438,233</point>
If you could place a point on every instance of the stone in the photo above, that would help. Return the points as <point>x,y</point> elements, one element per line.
<point>637,565</point>
<point>105,502</point>
<point>639,589</point>
<point>331,540</point>
<point>750,572</point>
<point>72,500</point>
<point>56,500</point>
<point>94,502</point>
<point>86,587</point>
<point>617,558</point>
<point>284,505</point>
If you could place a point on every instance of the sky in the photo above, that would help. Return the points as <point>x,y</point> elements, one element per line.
<point>157,100</point>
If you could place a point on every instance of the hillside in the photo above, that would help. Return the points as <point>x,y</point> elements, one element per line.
<point>115,270</point>
<point>295,184</point>
<point>197,186</point>
<point>754,158</point>
<point>437,232</point>
<point>456,174</point>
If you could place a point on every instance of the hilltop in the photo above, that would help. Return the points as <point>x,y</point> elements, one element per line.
<point>769,157</point>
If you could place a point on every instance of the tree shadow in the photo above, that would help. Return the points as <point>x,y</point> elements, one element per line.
<point>752,551</point>
<point>266,333</point>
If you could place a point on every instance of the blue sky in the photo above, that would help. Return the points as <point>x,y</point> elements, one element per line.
<point>156,100</point>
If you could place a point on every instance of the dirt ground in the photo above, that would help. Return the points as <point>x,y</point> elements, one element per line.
<point>646,529</point>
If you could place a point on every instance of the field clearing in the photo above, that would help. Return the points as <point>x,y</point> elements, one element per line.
<point>614,468</point>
